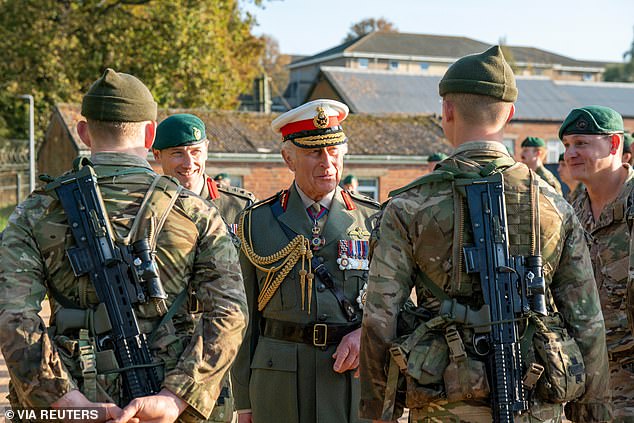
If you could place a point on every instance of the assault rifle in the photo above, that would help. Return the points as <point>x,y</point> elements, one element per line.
<point>123,275</point>
<point>512,287</point>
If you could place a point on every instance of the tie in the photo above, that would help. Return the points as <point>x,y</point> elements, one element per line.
<point>316,211</point>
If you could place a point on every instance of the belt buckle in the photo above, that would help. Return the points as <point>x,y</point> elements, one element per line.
<point>316,336</point>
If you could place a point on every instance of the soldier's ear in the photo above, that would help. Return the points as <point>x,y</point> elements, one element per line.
<point>288,159</point>
<point>83,132</point>
<point>150,133</point>
<point>615,139</point>
<point>511,113</point>
<point>157,154</point>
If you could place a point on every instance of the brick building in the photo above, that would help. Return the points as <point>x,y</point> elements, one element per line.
<point>386,152</point>
<point>431,55</point>
<point>541,107</point>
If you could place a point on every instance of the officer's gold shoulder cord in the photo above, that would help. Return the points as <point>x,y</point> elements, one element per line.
<point>298,247</point>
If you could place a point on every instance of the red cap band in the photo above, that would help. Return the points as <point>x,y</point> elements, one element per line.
<point>306,125</point>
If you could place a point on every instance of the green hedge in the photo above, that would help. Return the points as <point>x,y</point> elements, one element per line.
<point>4,215</point>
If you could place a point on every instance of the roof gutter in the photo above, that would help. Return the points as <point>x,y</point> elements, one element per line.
<point>277,158</point>
<point>447,60</point>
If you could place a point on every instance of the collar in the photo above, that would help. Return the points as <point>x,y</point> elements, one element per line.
<point>307,201</point>
<point>118,159</point>
<point>482,146</point>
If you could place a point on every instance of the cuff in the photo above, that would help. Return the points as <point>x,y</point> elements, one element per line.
<point>200,397</point>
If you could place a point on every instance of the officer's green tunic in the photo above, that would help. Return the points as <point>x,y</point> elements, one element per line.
<point>292,382</point>
<point>229,200</point>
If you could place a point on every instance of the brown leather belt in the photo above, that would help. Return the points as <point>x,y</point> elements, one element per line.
<point>316,334</point>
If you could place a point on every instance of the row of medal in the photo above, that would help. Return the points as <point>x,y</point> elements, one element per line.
<point>353,254</point>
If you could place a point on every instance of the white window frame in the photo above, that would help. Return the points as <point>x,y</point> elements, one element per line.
<point>553,149</point>
<point>363,62</point>
<point>369,186</point>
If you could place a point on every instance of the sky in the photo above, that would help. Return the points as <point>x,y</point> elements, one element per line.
<point>581,29</point>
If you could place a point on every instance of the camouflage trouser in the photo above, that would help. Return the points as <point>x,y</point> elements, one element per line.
<point>622,387</point>
<point>444,412</point>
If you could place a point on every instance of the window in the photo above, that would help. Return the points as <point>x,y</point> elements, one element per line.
<point>424,66</point>
<point>587,77</point>
<point>369,187</point>
<point>509,143</point>
<point>363,63</point>
<point>555,148</point>
<point>393,64</point>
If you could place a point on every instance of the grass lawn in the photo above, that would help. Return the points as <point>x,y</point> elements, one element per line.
<point>4,215</point>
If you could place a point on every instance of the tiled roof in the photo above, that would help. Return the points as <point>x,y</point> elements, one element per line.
<point>249,132</point>
<point>445,47</point>
<point>371,91</point>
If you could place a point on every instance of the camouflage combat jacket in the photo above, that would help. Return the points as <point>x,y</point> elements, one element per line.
<point>417,231</point>
<point>194,253</point>
<point>609,243</point>
<point>548,176</point>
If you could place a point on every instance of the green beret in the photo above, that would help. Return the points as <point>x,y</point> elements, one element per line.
<point>486,73</point>
<point>179,130</point>
<point>592,120</point>
<point>627,143</point>
<point>533,142</point>
<point>221,176</point>
<point>118,97</point>
<point>437,157</point>
<point>348,179</point>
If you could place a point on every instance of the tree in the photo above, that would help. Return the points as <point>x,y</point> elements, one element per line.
<point>368,25</point>
<point>274,65</point>
<point>190,53</point>
<point>622,72</point>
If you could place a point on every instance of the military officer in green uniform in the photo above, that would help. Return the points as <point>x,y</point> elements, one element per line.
<point>181,147</point>
<point>60,364</point>
<point>305,265</point>
<point>533,155</point>
<point>419,244</point>
<point>593,137</point>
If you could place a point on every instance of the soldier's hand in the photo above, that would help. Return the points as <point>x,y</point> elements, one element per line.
<point>75,399</point>
<point>347,354</point>
<point>164,407</point>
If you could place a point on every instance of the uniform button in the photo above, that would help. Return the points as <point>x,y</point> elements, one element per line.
<point>321,287</point>
<point>323,317</point>
<point>320,259</point>
<point>365,275</point>
<point>270,363</point>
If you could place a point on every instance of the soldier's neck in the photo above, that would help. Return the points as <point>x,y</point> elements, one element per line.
<point>603,189</point>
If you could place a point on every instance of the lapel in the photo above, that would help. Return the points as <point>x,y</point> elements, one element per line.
<point>295,216</point>
<point>340,219</point>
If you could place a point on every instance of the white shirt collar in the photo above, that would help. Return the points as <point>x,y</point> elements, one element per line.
<point>307,201</point>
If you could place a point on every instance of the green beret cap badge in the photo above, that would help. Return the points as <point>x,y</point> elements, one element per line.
<point>592,120</point>
<point>179,130</point>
